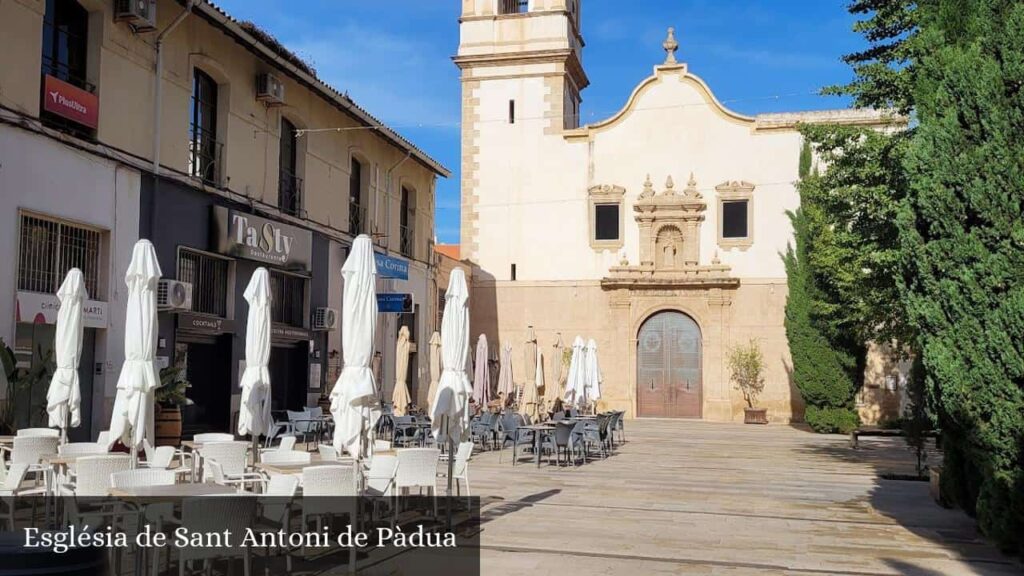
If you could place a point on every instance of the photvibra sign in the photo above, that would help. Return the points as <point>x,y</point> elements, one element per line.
<point>71,102</point>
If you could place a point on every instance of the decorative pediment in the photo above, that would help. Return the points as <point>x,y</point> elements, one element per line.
<point>606,191</point>
<point>669,223</point>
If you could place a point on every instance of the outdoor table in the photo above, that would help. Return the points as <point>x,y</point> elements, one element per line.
<point>7,440</point>
<point>538,435</point>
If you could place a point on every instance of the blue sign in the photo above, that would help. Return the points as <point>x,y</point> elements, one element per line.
<point>389,267</point>
<point>390,303</point>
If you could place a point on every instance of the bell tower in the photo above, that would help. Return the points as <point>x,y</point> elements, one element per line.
<point>522,75</point>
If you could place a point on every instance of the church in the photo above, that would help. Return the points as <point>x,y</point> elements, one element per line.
<point>658,231</point>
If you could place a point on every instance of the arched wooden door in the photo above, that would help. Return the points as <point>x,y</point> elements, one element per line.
<point>668,367</point>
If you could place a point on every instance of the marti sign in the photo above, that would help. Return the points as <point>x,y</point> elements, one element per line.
<point>256,238</point>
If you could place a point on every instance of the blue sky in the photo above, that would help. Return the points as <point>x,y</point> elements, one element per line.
<point>394,58</point>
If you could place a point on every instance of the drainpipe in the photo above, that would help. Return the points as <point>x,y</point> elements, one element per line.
<point>159,92</point>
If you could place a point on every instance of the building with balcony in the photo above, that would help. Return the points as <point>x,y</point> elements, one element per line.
<point>207,136</point>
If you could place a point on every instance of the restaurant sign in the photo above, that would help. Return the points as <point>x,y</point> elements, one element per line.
<point>203,324</point>
<point>391,267</point>
<point>39,308</point>
<point>71,102</point>
<point>255,238</point>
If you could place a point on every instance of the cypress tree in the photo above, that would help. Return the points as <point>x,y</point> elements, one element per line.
<point>962,243</point>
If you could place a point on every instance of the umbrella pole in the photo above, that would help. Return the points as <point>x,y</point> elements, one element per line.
<point>134,455</point>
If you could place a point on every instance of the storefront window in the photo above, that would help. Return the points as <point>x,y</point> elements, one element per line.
<point>209,276</point>
<point>289,299</point>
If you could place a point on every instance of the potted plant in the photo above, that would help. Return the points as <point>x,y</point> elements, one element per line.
<point>746,363</point>
<point>170,397</point>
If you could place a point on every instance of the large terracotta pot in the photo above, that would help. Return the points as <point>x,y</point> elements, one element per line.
<point>755,416</point>
<point>168,425</point>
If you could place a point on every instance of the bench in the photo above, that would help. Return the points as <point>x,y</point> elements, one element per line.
<point>882,433</point>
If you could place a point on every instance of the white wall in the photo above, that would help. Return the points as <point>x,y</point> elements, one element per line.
<point>44,176</point>
<point>531,182</point>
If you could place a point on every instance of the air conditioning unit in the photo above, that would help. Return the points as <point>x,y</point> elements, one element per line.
<point>325,319</point>
<point>269,89</point>
<point>140,14</point>
<point>174,295</point>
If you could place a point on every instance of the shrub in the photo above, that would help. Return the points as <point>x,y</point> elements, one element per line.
<point>831,420</point>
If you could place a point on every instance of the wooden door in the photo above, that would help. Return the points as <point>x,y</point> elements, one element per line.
<point>668,367</point>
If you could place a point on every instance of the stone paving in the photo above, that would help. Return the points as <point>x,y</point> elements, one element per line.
<point>686,497</point>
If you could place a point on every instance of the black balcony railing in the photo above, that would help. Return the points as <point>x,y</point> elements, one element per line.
<point>514,6</point>
<point>204,156</point>
<point>405,237</point>
<point>356,219</point>
<point>289,193</point>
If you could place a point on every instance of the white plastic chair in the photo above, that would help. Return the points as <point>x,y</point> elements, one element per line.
<point>29,432</point>
<point>417,468</point>
<point>329,481</point>
<point>460,469</point>
<point>141,477</point>
<point>381,445</point>
<point>213,437</point>
<point>10,486</point>
<point>207,515</point>
<point>103,438</point>
<point>231,456</point>
<point>286,457</point>
<point>93,473</point>
<point>30,450</point>
<point>328,452</point>
<point>81,449</point>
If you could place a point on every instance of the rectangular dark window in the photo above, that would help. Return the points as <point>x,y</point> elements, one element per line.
<point>208,276</point>
<point>204,150</point>
<point>606,222</point>
<point>288,295</point>
<point>289,183</point>
<point>409,320</point>
<point>356,213</point>
<point>734,219</point>
<point>407,225</point>
<point>513,271</point>
<point>511,111</point>
<point>66,41</point>
<point>49,248</point>
<point>513,6</point>
<point>441,295</point>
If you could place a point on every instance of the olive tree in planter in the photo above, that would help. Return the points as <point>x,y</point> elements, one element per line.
<point>746,363</point>
<point>170,397</point>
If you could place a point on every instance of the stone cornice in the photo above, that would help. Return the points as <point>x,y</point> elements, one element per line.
<point>561,56</point>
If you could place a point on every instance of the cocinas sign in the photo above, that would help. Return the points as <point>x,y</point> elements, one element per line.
<point>256,238</point>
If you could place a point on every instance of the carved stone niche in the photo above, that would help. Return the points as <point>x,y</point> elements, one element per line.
<point>669,225</point>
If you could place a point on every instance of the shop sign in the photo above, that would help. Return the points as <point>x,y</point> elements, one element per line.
<point>71,102</point>
<point>285,332</point>
<point>252,237</point>
<point>201,324</point>
<point>391,267</point>
<point>388,303</point>
<point>39,308</point>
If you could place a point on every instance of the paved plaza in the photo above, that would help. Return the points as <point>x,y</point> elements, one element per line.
<point>704,498</point>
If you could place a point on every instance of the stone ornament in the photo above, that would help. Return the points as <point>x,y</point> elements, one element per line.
<point>670,45</point>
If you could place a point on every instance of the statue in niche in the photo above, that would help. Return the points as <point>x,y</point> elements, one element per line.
<point>669,244</point>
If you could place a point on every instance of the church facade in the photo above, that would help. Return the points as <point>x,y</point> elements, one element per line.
<point>658,232</point>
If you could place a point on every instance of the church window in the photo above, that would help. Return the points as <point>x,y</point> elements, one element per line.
<point>605,215</point>
<point>511,111</point>
<point>735,214</point>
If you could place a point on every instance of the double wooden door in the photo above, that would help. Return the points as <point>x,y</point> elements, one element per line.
<point>668,378</point>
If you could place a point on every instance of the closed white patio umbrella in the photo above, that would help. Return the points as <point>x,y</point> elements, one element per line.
<point>64,398</point>
<point>400,396</point>
<point>506,388</point>
<point>254,409</point>
<point>575,382</point>
<point>482,375</point>
<point>435,369</point>
<point>354,402</point>
<point>139,378</point>
<point>450,414</point>
<point>553,387</point>
<point>592,376</point>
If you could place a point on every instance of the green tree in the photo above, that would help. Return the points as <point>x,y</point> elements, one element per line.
<point>962,243</point>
